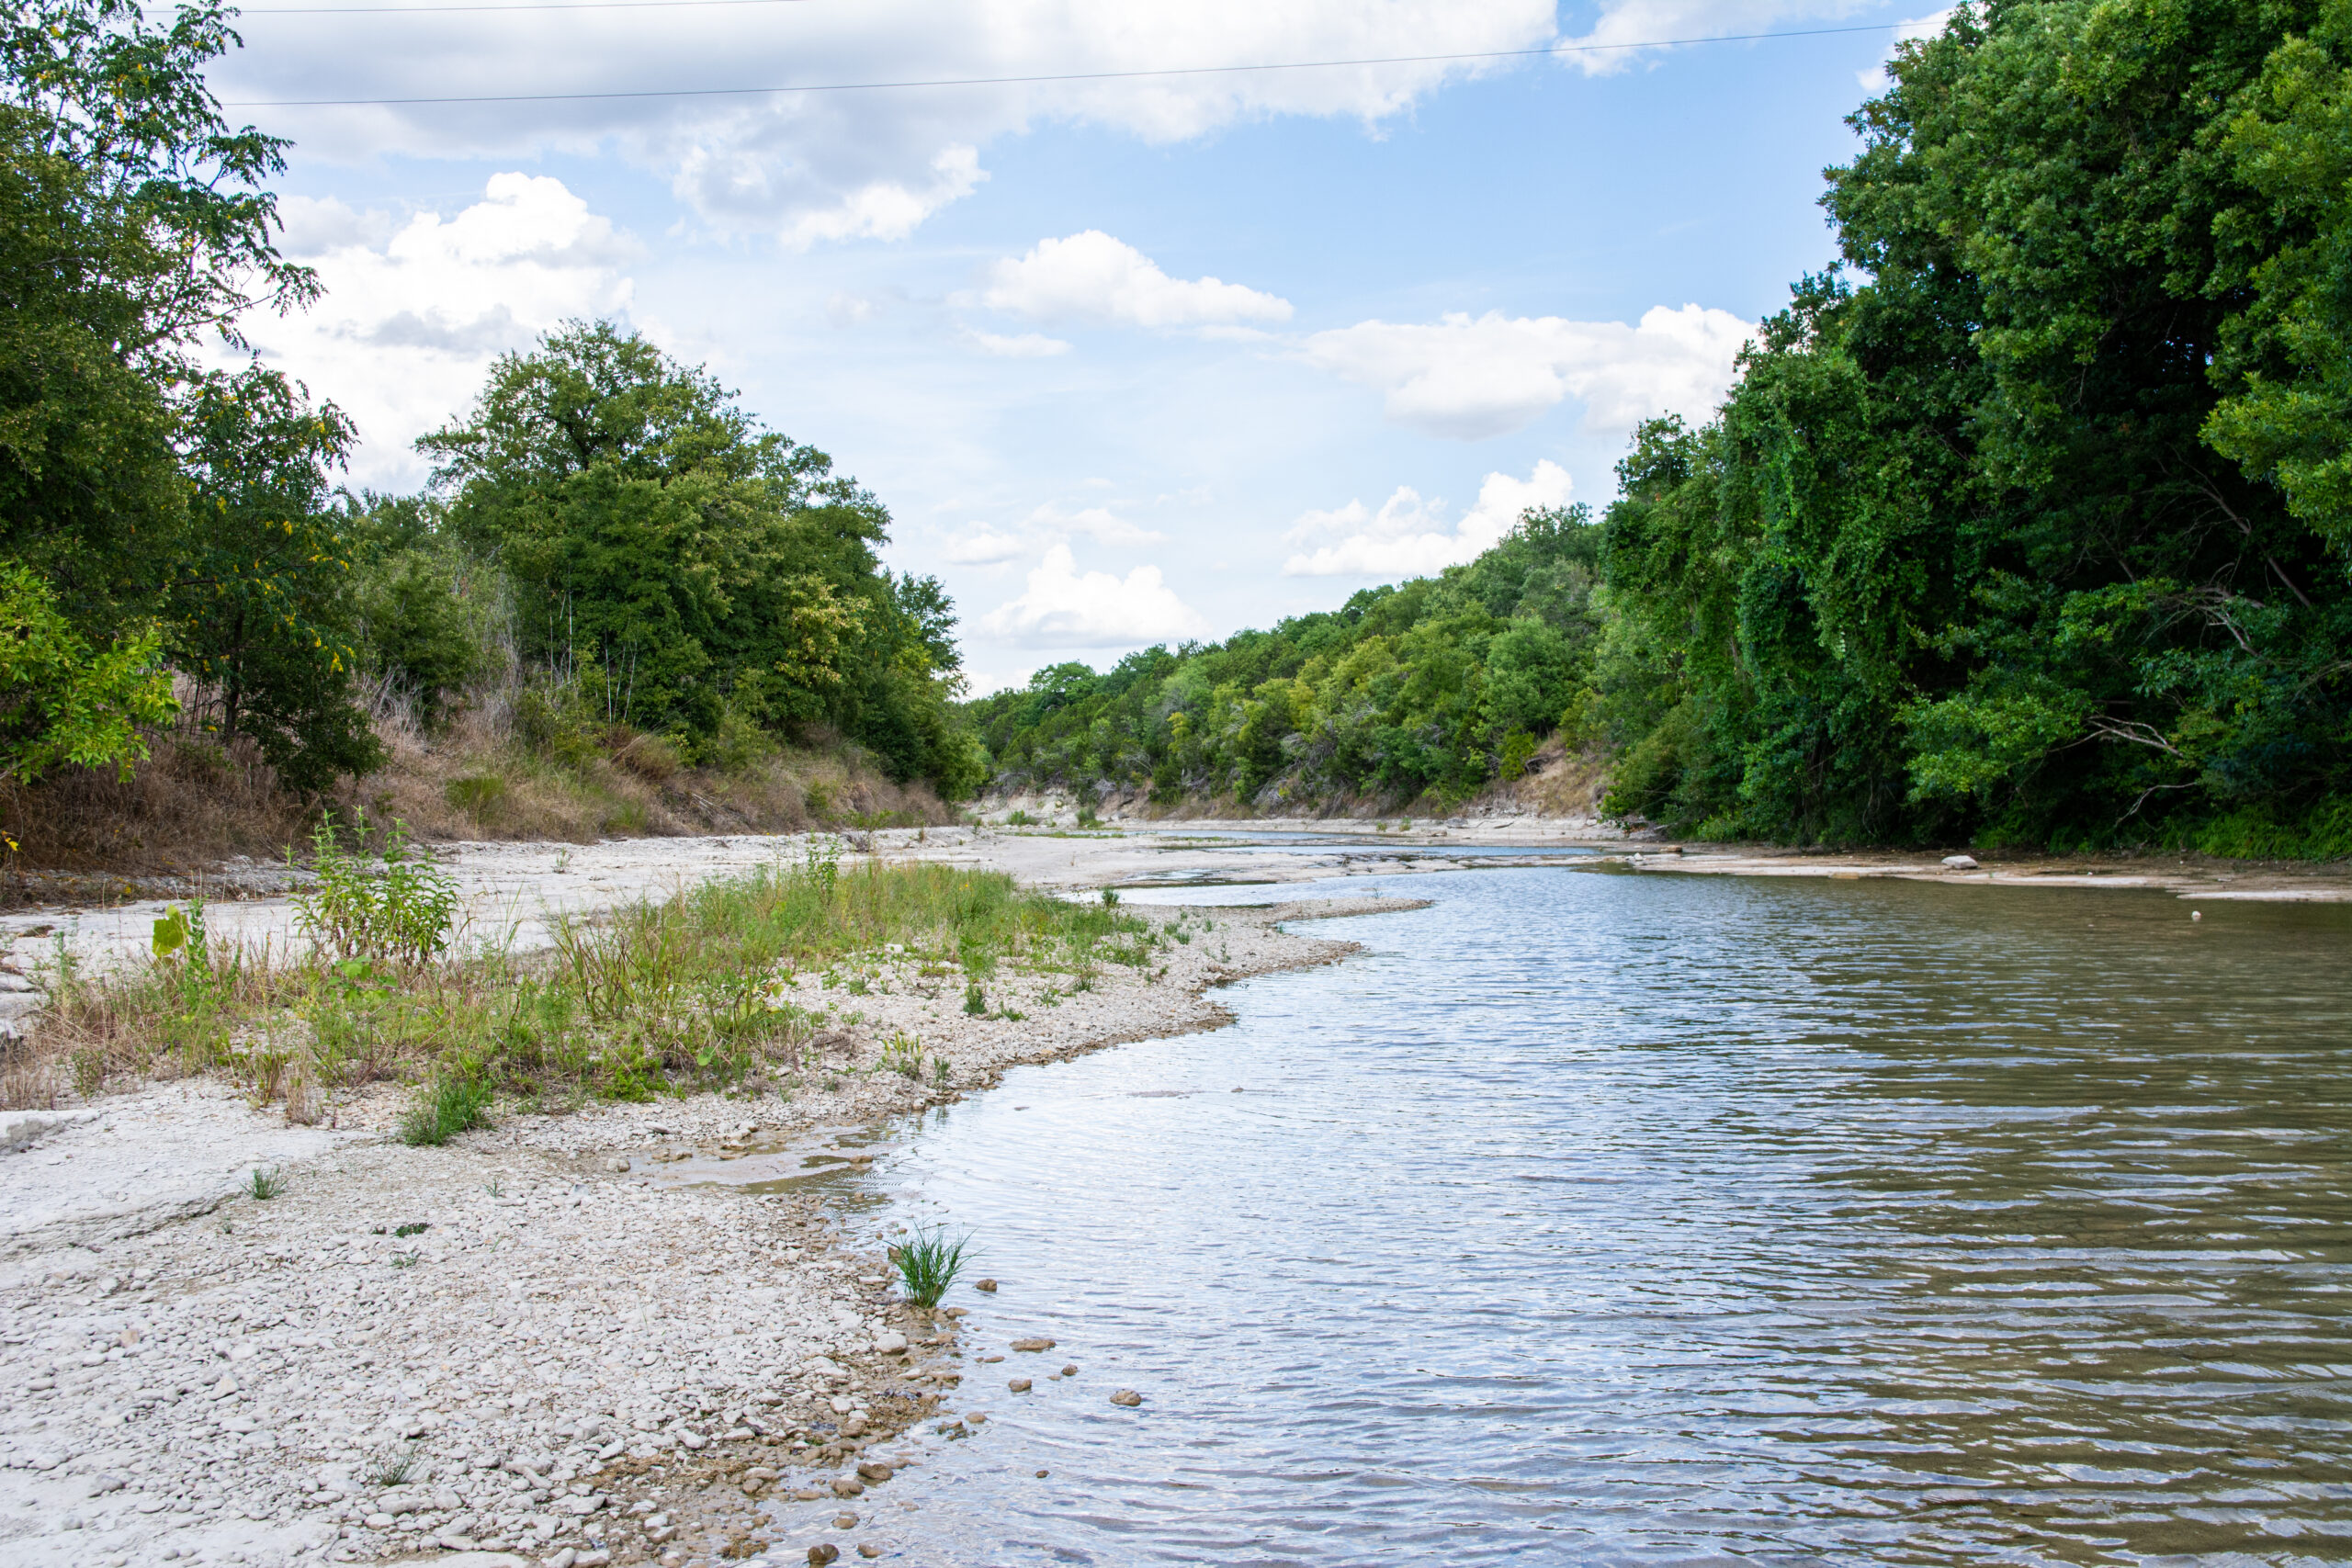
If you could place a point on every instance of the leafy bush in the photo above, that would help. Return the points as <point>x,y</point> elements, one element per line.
<point>444,1109</point>
<point>399,908</point>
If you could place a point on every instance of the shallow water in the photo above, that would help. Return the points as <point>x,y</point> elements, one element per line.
<point>1591,1218</point>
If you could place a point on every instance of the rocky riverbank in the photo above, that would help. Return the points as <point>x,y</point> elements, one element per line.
<point>614,1334</point>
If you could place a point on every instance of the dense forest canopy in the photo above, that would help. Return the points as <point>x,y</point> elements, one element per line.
<point>609,539</point>
<point>1435,687</point>
<point>2028,522</point>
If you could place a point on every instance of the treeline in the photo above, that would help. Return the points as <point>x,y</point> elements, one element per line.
<point>609,538</point>
<point>1434,688</point>
<point>2026,525</point>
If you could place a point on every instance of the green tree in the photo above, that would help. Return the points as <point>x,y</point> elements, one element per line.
<point>262,604</point>
<point>133,226</point>
<point>1957,557</point>
<point>683,565</point>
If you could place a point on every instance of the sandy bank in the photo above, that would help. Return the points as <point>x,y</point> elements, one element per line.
<point>611,1333</point>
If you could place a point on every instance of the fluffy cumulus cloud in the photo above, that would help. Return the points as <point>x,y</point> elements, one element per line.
<point>811,167</point>
<point>415,311</point>
<point>1095,278</point>
<point>1065,607</point>
<point>1472,377</point>
<point>1409,536</point>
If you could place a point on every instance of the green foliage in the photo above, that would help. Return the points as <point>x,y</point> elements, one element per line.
<point>63,701</point>
<point>928,1263</point>
<point>261,598</point>
<point>264,1185</point>
<point>134,225</point>
<point>398,909</point>
<point>1405,692</point>
<point>444,1108</point>
<point>1957,559</point>
<point>686,570</point>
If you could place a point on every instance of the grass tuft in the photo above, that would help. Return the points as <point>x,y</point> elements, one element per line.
<point>392,1466</point>
<point>447,1107</point>
<point>927,1263</point>
<point>266,1184</point>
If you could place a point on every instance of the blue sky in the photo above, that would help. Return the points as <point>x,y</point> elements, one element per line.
<point>1128,360</point>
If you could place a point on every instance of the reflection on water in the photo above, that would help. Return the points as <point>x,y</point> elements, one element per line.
<point>1601,1219</point>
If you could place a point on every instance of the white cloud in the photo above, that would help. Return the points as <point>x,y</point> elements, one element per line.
<point>1611,46</point>
<point>415,311</point>
<point>1408,537</point>
<point>1067,608</point>
<point>1097,522</point>
<point>1092,277</point>
<point>987,548</point>
<point>1022,346</point>
<point>1470,379</point>
<point>811,167</point>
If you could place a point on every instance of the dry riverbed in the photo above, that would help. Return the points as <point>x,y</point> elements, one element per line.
<point>616,1334</point>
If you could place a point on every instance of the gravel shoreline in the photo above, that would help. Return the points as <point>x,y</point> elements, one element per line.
<point>607,1336</point>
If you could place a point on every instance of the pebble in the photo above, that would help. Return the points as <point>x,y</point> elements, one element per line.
<point>1127,1397</point>
<point>867,1549</point>
<point>1019,1385</point>
<point>1032,1344</point>
<point>1070,1371</point>
<point>823,1553</point>
<point>988,1286</point>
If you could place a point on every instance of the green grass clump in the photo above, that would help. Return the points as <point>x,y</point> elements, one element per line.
<point>447,1107</point>
<point>927,1263</point>
<point>266,1184</point>
<point>976,999</point>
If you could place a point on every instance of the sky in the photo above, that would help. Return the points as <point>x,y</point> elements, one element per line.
<point>1159,350</point>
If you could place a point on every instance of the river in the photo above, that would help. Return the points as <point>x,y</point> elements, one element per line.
<point>1646,1219</point>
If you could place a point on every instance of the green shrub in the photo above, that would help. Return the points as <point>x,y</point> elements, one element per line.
<point>445,1107</point>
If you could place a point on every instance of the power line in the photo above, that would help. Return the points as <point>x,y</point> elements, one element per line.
<point>1025,80</point>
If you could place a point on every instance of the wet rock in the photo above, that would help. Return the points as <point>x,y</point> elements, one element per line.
<point>874,1472</point>
<point>1127,1397</point>
<point>1019,1385</point>
<point>853,1426</point>
<point>845,1521</point>
<point>987,1285</point>
<point>824,1552</point>
<point>1070,1371</point>
<point>844,1487</point>
<point>867,1549</point>
<point>1032,1344</point>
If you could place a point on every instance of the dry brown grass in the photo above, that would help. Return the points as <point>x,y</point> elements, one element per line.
<point>195,803</point>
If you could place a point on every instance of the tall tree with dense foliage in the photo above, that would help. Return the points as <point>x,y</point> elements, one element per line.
<point>2031,536</point>
<point>684,568</point>
<point>135,227</point>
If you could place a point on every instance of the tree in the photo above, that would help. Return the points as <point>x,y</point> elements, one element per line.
<point>1957,557</point>
<point>134,225</point>
<point>261,604</point>
<point>683,565</point>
